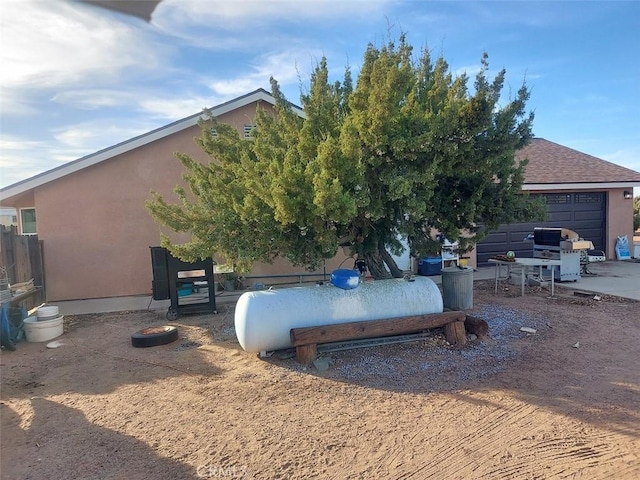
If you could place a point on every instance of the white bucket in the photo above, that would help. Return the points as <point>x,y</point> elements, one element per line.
<point>43,330</point>
<point>47,313</point>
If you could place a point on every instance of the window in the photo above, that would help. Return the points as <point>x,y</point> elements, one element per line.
<point>588,198</point>
<point>28,221</point>
<point>558,198</point>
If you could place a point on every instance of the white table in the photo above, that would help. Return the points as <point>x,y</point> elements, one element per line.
<point>525,264</point>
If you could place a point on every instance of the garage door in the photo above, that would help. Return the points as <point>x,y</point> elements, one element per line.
<point>584,213</point>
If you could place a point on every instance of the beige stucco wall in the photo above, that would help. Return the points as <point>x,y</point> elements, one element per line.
<point>94,226</point>
<point>620,220</point>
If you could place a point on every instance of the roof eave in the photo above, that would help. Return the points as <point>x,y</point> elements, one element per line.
<point>579,186</point>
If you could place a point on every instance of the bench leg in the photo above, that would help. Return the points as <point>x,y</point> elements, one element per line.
<point>306,354</point>
<point>455,333</point>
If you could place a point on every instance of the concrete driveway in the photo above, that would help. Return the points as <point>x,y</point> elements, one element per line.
<point>620,278</point>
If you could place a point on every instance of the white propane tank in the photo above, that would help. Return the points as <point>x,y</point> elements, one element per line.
<point>264,318</point>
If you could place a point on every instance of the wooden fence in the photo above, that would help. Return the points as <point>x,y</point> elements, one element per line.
<point>22,257</point>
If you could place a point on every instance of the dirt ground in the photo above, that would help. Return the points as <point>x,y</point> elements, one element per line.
<point>561,403</point>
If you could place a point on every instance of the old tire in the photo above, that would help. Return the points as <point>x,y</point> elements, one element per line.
<point>154,336</point>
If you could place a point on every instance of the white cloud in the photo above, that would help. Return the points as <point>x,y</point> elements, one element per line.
<point>91,99</point>
<point>76,138</point>
<point>172,109</point>
<point>249,25</point>
<point>16,103</point>
<point>235,14</point>
<point>236,86</point>
<point>17,159</point>
<point>280,65</point>
<point>87,137</point>
<point>58,43</point>
<point>17,144</point>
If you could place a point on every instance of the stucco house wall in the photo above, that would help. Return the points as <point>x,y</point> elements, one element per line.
<point>620,215</point>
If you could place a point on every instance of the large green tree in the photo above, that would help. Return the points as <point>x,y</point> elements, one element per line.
<point>410,150</point>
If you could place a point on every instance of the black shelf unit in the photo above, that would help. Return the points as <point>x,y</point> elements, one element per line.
<point>167,281</point>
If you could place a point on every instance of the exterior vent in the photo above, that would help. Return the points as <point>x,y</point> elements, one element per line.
<point>247,131</point>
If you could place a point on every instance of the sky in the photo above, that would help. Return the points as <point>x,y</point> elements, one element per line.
<point>76,78</point>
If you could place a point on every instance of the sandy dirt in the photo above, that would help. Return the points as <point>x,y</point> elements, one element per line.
<point>562,403</point>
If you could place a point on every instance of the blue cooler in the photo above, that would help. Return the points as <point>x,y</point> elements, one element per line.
<point>430,266</point>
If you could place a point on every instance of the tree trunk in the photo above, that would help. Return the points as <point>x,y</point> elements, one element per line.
<point>376,266</point>
<point>391,263</point>
<point>377,263</point>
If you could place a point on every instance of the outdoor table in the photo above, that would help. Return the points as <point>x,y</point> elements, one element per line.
<point>524,264</point>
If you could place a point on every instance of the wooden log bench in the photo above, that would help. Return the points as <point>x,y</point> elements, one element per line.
<point>306,339</point>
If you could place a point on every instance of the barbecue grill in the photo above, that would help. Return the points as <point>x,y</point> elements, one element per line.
<point>561,244</point>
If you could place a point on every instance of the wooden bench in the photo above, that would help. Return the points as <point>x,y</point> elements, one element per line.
<point>306,339</point>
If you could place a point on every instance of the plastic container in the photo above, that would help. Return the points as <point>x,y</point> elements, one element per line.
<point>345,279</point>
<point>430,266</point>
<point>186,289</point>
<point>37,330</point>
<point>457,288</point>
<point>47,313</point>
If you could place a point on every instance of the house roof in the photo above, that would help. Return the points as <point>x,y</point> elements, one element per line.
<point>136,142</point>
<point>554,166</point>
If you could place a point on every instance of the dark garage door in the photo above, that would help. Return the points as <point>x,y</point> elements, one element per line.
<point>584,213</point>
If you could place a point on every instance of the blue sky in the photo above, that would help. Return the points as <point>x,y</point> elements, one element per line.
<point>76,79</point>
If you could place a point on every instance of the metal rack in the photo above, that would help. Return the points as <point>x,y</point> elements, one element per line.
<point>449,254</point>
<point>171,275</point>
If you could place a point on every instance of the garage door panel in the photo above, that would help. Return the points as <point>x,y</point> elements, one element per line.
<point>519,234</point>
<point>496,237</point>
<point>588,233</point>
<point>559,217</point>
<point>589,216</point>
<point>584,213</point>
